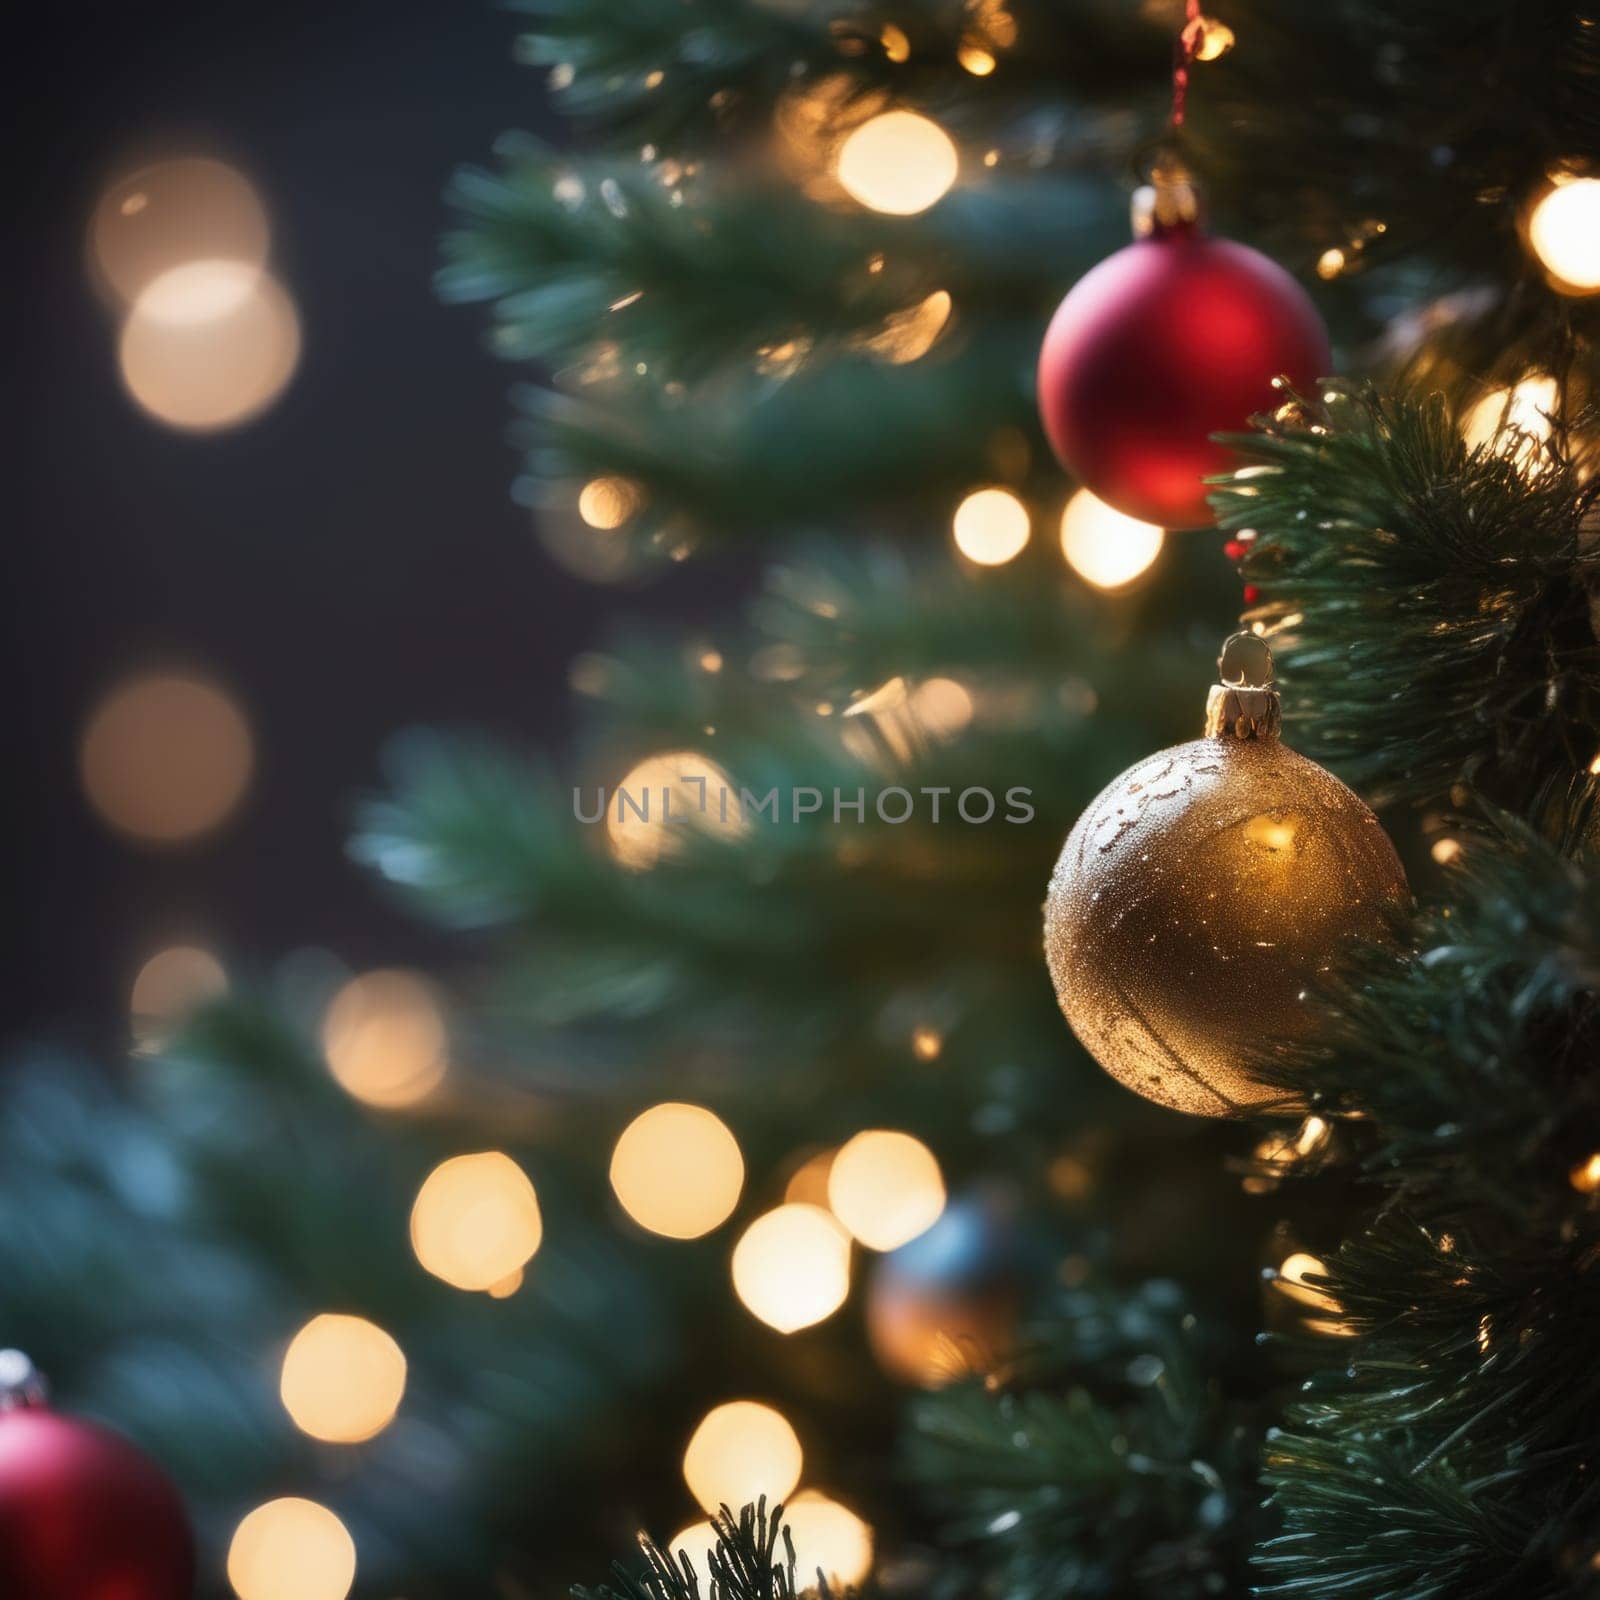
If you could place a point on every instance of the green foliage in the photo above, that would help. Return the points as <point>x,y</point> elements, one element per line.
<point>746,1565</point>
<point>1447,1455</point>
<point>1430,603</point>
<point>1114,1459</point>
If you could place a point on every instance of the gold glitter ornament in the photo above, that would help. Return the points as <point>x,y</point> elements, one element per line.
<point>1200,892</point>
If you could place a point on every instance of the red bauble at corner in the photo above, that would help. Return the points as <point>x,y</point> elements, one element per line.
<point>85,1516</point>
<point>1174,338</point>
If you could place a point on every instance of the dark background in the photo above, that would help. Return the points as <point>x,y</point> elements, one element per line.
<point>349,563</point>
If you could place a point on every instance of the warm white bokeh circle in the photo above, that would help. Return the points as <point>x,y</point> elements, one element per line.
<point>829,1538</point>
<point>166,757</point>
<point>677,1170</point>
<point>172,214</point>
<point>1564,230</point>
<point>476,1221</point>
<point>384,1037</point>
<point>898,162</point>
<point>1104,546</point>
<point>791,1267</point>
<point>201,350</point>
<point>291,1549</point>
<point>886,1188</point>
<point>739,1452</point>
<point>991,527</point>
<point>343,1379</point>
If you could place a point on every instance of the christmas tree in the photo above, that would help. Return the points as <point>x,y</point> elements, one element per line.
<point>745,1157</point>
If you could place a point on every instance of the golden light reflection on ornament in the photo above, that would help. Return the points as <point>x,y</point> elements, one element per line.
<point>199,356</point>
<point>476,1221</point>
<point>174,214</point>
<point>677,1170</point>
<point>291,1549</point>
<point>1564,230</point>
<point>166,757</point>
<point>170,987</point>
<point>899,163</point>
<point>664,801</point>
<point>343,1379</point>
<point>384,1038</point>
<point>1104,546</point>
<point>829,1538</point>
<point>991,527</point>
<point>739,1452</point>
<point>608,502</point>
<point>791,1267</point>
<point>1514,422</point>
<point>886,1188</point>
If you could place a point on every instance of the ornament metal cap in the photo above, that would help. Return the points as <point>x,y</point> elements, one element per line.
<point>1243,705</point>
<point>21,1383</point>
<point>1170,201</point>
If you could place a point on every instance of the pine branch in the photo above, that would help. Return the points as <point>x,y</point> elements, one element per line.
<point>745,1565</point>
<point>1430,602</point>
<point>1107,1462</point>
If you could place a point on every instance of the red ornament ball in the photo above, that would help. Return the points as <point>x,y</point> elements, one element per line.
<point>85,1516</point>
<point>1174,338</point>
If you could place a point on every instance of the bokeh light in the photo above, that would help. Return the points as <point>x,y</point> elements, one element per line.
<point>1290,1281</point>
<point>1104,546</point>
<point>808,1184</point>
<point>664,801</point>
<point>897,162</point>
<point>741,1451</point>
<point>291,1549</point>
<point>171,986</point>
<point>699,1542</point>
<point>943,706</point>
<point>677,1170</point>
<point>384,1037</point>
<point>991,527</point>
<point>608,502</point>
<point>1514,422</point>
<point>166,757</point>
<point>1564,230</point>
<point>886,1188</point>
<point>172,214</point>
<point>198,355</point>
<point>828,1538</point>
<point>343,1379</point>
<point>791,1267</point>
<point>476,1221</point>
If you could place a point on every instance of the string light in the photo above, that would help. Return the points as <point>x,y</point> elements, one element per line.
<point>1290,1281</point>
<point>897,162</point>
<point>384,1038</point>
<point>739,1452</point>
<point>677,1170</point>
<point>1564,231</point>
<point>926,1043</point>
<point>343,1379</point>
<point>291,1549</point>
<point>886,1188</point>
<point>170,986</point>
<point>791,1267</point>
<point>1445,850</point>
<point>991,527</point>
<point>809,1183</point>
<point>1331,262</point>
<point>166,757</point>
<point>205,348</point>
<point>1104,546</point>
<point>829,1538</point>
<point>476,1220</point>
